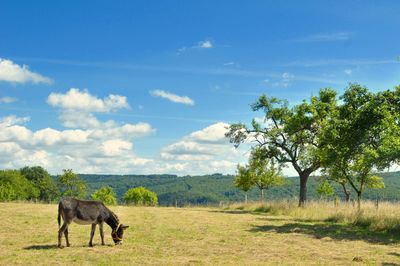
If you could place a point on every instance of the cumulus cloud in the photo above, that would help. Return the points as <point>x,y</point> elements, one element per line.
<point>203,151</point>
<point>116,147</point>
<point>14,73</point>
<point>172,97</point>
<point>108,147</point>
<point>86,144</point>
<point>100,150</point>
<point>82,100</point>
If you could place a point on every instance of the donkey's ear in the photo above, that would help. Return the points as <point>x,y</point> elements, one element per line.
<point>124,226</point>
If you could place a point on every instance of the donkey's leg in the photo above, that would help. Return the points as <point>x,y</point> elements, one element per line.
<point>101,233</point>
<point>91,235</point>
<point>60,232</point>
<point>66,236</point>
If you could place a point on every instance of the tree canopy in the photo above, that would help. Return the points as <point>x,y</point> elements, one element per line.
<point>42,180</point>
<point>289,134</point>
<point>363,138</point>
<point>71,184</point>
<point>14,186</point>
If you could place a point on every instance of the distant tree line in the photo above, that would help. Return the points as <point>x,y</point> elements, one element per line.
<point>36,184</point>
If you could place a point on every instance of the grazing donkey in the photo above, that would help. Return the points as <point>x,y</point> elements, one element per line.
<point>88,212</point>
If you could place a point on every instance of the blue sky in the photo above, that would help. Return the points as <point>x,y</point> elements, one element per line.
<point>149,86</point>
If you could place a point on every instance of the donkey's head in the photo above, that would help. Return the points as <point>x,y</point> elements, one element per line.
<point>118,233</point>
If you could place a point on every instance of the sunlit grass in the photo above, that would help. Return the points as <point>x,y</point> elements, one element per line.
<point>382,217</point>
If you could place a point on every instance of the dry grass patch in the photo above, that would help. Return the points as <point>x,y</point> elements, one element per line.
<point>186,236</point>
<point>384,218</point>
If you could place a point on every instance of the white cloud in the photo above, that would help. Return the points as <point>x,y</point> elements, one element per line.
<point>348,71</point>
<point>7,99</point>
<point>14,73</point>
<point>87,145</point>
<point>106,149</point>
<point>211,134</point>
<point>203,151</point>
<point>326,37</point>
<point>284,80</point>
<point>115,147</point>
<point>172,97</point>
<point>207,44</point>
<point>229,64</point>
<point>13,120</point>
<point>78,100</point>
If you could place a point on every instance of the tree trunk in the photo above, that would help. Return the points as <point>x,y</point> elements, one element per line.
<point>358,201</point>
<point>245,197</point>
<point>346,192</point>
<point>303,189</point>
<point>347,197</point>
<point>262,195</point>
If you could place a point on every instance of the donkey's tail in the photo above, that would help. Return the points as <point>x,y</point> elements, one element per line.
<point>59,215</point>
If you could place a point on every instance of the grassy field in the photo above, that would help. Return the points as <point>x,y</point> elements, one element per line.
<point>237,235</point>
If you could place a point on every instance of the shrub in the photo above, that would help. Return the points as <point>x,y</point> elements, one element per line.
<point>141,196</point>
<point>106,195</point>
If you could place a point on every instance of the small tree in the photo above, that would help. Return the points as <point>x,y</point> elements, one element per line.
<point>141,196</point>
<point>106,195</point>
<point>266,173</point>
<point>261,172</point>
<point>244,180</point>
<point>71,185</point>
<point>325,190</point>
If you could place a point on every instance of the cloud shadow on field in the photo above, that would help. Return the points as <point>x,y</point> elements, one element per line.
<point>41,247</point>
<point>329,230</point>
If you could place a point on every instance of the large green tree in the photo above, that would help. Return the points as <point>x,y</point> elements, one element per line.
<point>42,181</point>
<point>363,138</point>
<point>71,184</point>
<point>290,135</point>
<point>14,186</point>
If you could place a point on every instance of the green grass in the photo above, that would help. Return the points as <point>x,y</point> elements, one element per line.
<point>238,235</point>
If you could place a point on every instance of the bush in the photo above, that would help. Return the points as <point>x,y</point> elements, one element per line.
<point>106,195</point>
<point>14,186</point>
<point>141,196</point>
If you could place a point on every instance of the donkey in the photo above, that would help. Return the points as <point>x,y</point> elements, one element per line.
<point>88,212</point>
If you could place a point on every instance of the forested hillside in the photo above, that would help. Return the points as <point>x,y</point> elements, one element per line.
<point>212,189</point>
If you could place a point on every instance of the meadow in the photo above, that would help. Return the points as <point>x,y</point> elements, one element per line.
<point>253,234</point>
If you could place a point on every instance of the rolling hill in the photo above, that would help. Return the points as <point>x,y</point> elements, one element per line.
<point>212,189</point>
